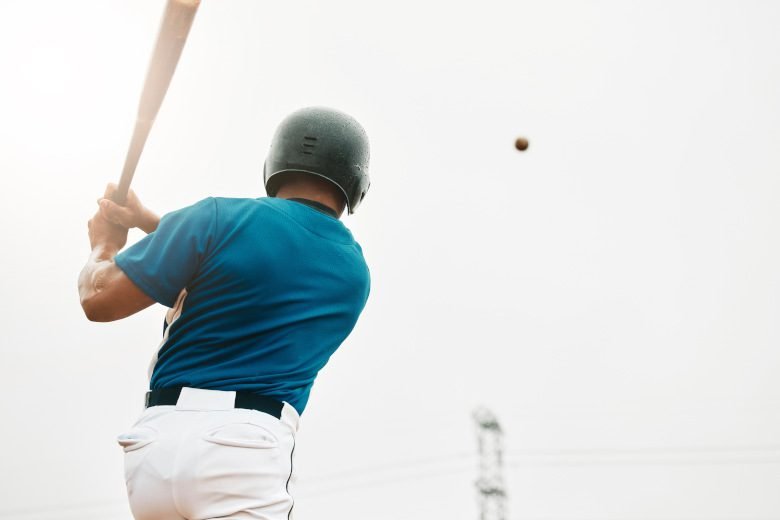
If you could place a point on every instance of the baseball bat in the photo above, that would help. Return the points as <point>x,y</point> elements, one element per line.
<point>175,27</point>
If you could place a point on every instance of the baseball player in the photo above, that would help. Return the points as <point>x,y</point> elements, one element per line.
<point>261,292</point>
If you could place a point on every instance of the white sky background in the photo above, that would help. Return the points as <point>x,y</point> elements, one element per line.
<point>612,294</point>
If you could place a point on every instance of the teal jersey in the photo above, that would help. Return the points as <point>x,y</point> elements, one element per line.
<point>262,292</point>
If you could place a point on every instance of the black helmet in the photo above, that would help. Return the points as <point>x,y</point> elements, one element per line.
<point>323,142</point>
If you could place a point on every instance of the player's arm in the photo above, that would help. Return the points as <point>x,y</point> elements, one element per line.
<point>154,269</point>
<point>106,293</point>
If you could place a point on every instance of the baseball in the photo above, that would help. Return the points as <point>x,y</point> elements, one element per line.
<point>521,143</point>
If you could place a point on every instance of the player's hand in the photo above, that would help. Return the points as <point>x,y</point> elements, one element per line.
<point>132,214</point>
<point>103,233</point>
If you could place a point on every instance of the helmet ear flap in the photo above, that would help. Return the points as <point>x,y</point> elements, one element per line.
<point>323,142</point>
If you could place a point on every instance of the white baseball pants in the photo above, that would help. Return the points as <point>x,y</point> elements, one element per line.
<point>203,459</point>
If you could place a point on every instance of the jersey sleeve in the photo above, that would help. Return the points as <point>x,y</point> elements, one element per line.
<point>165,262</point>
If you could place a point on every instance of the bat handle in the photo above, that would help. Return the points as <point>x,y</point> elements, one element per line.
<point>141,132</point>
<point>120,195</point>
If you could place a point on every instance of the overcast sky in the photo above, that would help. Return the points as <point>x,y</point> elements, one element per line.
<point>611,294</point>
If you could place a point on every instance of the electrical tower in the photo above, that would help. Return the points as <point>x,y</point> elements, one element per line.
<point>490,484</point>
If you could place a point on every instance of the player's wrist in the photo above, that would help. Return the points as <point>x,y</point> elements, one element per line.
<point>105,250</point>
<point>149,221</point>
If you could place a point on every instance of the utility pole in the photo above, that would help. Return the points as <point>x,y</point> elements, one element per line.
<point>491,492</point>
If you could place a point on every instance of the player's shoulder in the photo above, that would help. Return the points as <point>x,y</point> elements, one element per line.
<point>235,210</point>
<point>239,201</point>
<point>226,205</point>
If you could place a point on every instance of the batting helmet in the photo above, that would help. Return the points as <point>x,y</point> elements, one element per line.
<point>323,142</point>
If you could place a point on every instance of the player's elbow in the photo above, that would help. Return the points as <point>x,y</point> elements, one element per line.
<point>100,307</point>
<point>108,295</point>
<point>94,294</point>
<point>113,304</point>
<point>94,311</point>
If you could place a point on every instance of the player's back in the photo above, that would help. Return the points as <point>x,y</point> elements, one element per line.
<point>277,287</point>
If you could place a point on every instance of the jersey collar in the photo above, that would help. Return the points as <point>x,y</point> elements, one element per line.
<point>318,206</point>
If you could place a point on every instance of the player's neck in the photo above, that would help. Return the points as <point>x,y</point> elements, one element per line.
<point>313,193</point>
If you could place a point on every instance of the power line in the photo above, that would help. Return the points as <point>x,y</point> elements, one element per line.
<point>368,483</point>
<point>576,454</point>
<point>361,471</point>
<point>752,448</point>
<point>658,455</point>
<point>641,462</point>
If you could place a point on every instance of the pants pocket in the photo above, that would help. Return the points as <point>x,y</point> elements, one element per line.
<point>242,435</point>
<point>137,438</point>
